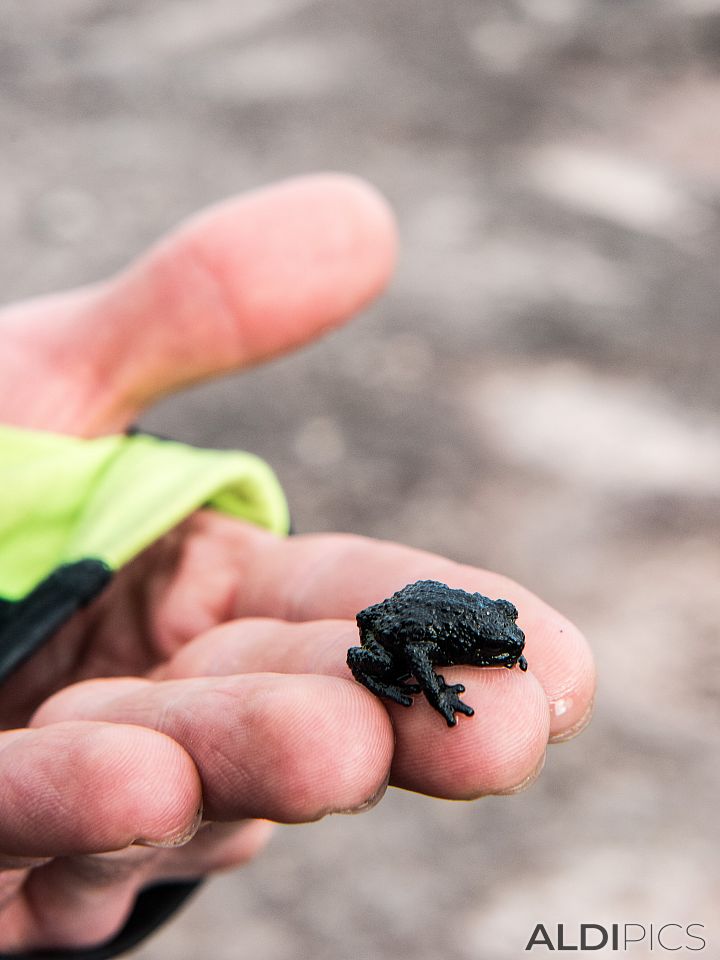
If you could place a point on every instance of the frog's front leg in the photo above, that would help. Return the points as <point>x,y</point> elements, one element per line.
<point>374,667</point>
<point>444,697</point>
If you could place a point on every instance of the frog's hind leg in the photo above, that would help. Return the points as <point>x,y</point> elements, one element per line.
<point>373,666</point>
<point>442,696</point>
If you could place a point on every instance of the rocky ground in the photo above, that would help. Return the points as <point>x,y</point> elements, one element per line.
<point>537,393</point>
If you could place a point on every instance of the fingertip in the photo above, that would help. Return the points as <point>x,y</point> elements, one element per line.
<point>304,254</point>
<point>375,225</point>
<point>569,723</point>
<point>148,783</point>
<point>495,751</point>
<point>244,280</point>
<point>557,654</point>
<point>315,745</point>
<point>81,787</point>
<point>566,668</point>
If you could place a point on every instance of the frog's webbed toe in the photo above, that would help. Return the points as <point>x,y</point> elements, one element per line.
<point>449,703</point>
<point>440,695</point>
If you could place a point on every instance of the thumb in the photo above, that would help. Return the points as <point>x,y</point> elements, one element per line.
<point>244,280</point>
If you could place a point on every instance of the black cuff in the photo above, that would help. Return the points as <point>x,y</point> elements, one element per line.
<point>153,907</point>
<point>27,624</point>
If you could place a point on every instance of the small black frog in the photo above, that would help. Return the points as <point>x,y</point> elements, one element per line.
<point>429,624</point>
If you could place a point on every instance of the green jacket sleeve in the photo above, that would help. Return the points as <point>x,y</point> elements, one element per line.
<point>75,511</point>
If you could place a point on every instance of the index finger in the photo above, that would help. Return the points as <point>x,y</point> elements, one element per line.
<point>335,575</point>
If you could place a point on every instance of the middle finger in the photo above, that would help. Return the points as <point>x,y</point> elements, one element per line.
<point>496,752</point>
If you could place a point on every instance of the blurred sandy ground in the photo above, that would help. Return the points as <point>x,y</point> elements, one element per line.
<point>538,393</point>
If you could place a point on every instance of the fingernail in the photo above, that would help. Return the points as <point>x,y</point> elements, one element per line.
<point>371,802</point>
<point>524,784</point>
<point>576,728</point>
<point>178,840</point>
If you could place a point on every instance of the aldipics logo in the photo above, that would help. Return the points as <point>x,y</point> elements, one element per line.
<point>620,937</point>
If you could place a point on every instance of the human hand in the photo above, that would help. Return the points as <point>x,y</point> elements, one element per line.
<point>232,641</point>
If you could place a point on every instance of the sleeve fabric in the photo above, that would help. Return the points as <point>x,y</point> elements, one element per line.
<point>74,512</point>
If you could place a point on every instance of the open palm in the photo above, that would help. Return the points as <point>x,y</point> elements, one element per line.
<point>213,669</point>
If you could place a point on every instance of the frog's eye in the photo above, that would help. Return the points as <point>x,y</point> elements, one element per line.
<point>507,608</point>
